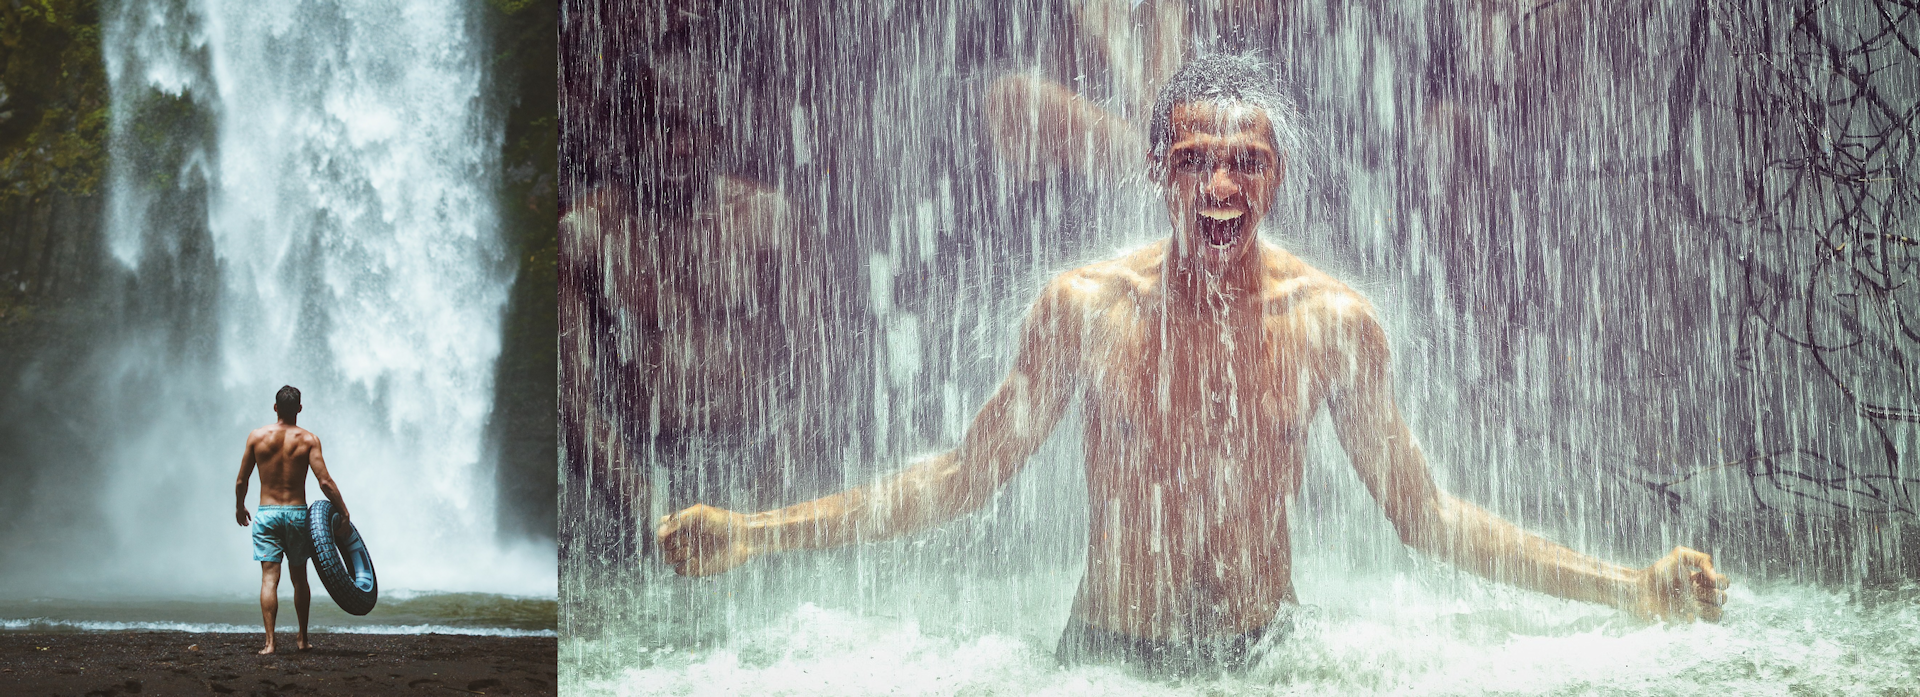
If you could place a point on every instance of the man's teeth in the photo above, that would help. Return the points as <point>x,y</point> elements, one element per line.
<point>1220,213</point>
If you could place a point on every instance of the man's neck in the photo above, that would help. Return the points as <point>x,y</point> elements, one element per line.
<point>290,420</point>
<point>1192,289</point>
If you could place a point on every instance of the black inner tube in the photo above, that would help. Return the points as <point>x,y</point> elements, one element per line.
<point>341,559</point>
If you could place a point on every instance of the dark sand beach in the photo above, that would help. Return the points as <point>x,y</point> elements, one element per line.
<point>189,663</point>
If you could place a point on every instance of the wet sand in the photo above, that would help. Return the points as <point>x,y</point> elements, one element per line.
<point>182,663</point>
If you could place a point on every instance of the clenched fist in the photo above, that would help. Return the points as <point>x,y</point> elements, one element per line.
<point>703,540</point>
<point>1682,586</point>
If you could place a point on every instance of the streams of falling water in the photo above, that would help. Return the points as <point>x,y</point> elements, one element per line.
<point>1600,269</point>
<point>303,195</point>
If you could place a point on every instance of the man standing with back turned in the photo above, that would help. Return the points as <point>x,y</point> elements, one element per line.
<point>1199,360</point>
<point>283,452</point>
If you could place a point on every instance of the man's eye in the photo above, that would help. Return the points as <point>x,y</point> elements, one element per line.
<point>1249,165</point>
<point>1191,163</point>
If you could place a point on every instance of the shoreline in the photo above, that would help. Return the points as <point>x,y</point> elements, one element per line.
<point>483,614</point>
<point>114,663</point>
<point>41,625</point>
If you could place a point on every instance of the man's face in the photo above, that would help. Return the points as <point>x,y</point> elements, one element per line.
<point>1220,176</point>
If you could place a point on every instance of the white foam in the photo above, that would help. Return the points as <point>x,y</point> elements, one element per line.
<point>1423,633</point>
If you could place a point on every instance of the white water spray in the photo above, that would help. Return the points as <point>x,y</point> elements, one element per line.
<point>348,175</point>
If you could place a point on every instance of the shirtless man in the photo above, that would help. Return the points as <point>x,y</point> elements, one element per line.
<point>1200,362</point>
<point>283,452</point>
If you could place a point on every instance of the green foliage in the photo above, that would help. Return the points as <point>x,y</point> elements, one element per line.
<point>163,130</point>
<point>53,134</point>
<point>514,7</point>
<point>53,121</point>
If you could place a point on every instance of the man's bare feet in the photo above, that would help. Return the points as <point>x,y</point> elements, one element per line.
<point>267,650</point>
<point>302,644</point>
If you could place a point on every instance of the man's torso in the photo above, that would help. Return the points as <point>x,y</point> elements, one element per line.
<point>1195,431</point>
<point>280,457</point>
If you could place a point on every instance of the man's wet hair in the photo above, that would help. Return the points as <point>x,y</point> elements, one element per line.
<point>287,400</point>
<point>1245,78</point>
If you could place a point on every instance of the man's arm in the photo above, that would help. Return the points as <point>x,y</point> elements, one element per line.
<point>703,540</point>
<point>318,464</point>
<point>240,485</point>
<point>1681,586</point>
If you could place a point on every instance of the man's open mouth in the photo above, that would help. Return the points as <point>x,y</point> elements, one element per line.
<point>1221,227</point>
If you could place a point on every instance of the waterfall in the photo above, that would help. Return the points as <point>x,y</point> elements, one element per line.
<point>303,193</point>
<point>1639,266</point>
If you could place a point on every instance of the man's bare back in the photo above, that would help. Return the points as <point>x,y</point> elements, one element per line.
<point>281,453</point>
<point>1200,361</point>
<point>284,453</point>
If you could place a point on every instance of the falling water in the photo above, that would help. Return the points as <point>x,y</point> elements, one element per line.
<point>1645,270</point>
<point>302,193</point>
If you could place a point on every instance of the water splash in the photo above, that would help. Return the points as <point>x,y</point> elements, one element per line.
<point>1609,245</point>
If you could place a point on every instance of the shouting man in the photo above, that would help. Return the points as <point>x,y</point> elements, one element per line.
<point>283,452</point>
<point>1200,361</point>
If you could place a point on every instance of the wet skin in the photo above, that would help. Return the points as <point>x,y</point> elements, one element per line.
<point>283,453</point>
<point>1201,359</point>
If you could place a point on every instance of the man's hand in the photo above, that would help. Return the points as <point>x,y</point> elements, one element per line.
<point>1682,586</point>
<point>241,515</point>
<point>703,540</point>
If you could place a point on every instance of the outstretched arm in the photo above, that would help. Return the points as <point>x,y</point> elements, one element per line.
<point>1681,586</point>
<point>318,464</point>
<point>240,486</point>
<point>1012,424</point>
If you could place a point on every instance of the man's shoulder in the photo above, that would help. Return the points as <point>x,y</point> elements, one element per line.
<point>1130,274</point>
<point>293,434</point>
<point>1296,290</point>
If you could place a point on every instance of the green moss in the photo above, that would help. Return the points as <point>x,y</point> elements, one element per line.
<point>163,128</point>
<point>54,135</point>
<point>53,155</point>
<point>514,7</point>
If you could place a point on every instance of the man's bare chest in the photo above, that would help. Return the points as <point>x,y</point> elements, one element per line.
<point>1200,389</point>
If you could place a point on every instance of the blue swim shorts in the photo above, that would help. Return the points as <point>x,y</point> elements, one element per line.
<point>281,530</point>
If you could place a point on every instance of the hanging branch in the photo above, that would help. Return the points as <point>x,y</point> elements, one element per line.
<point>1825,266</point>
